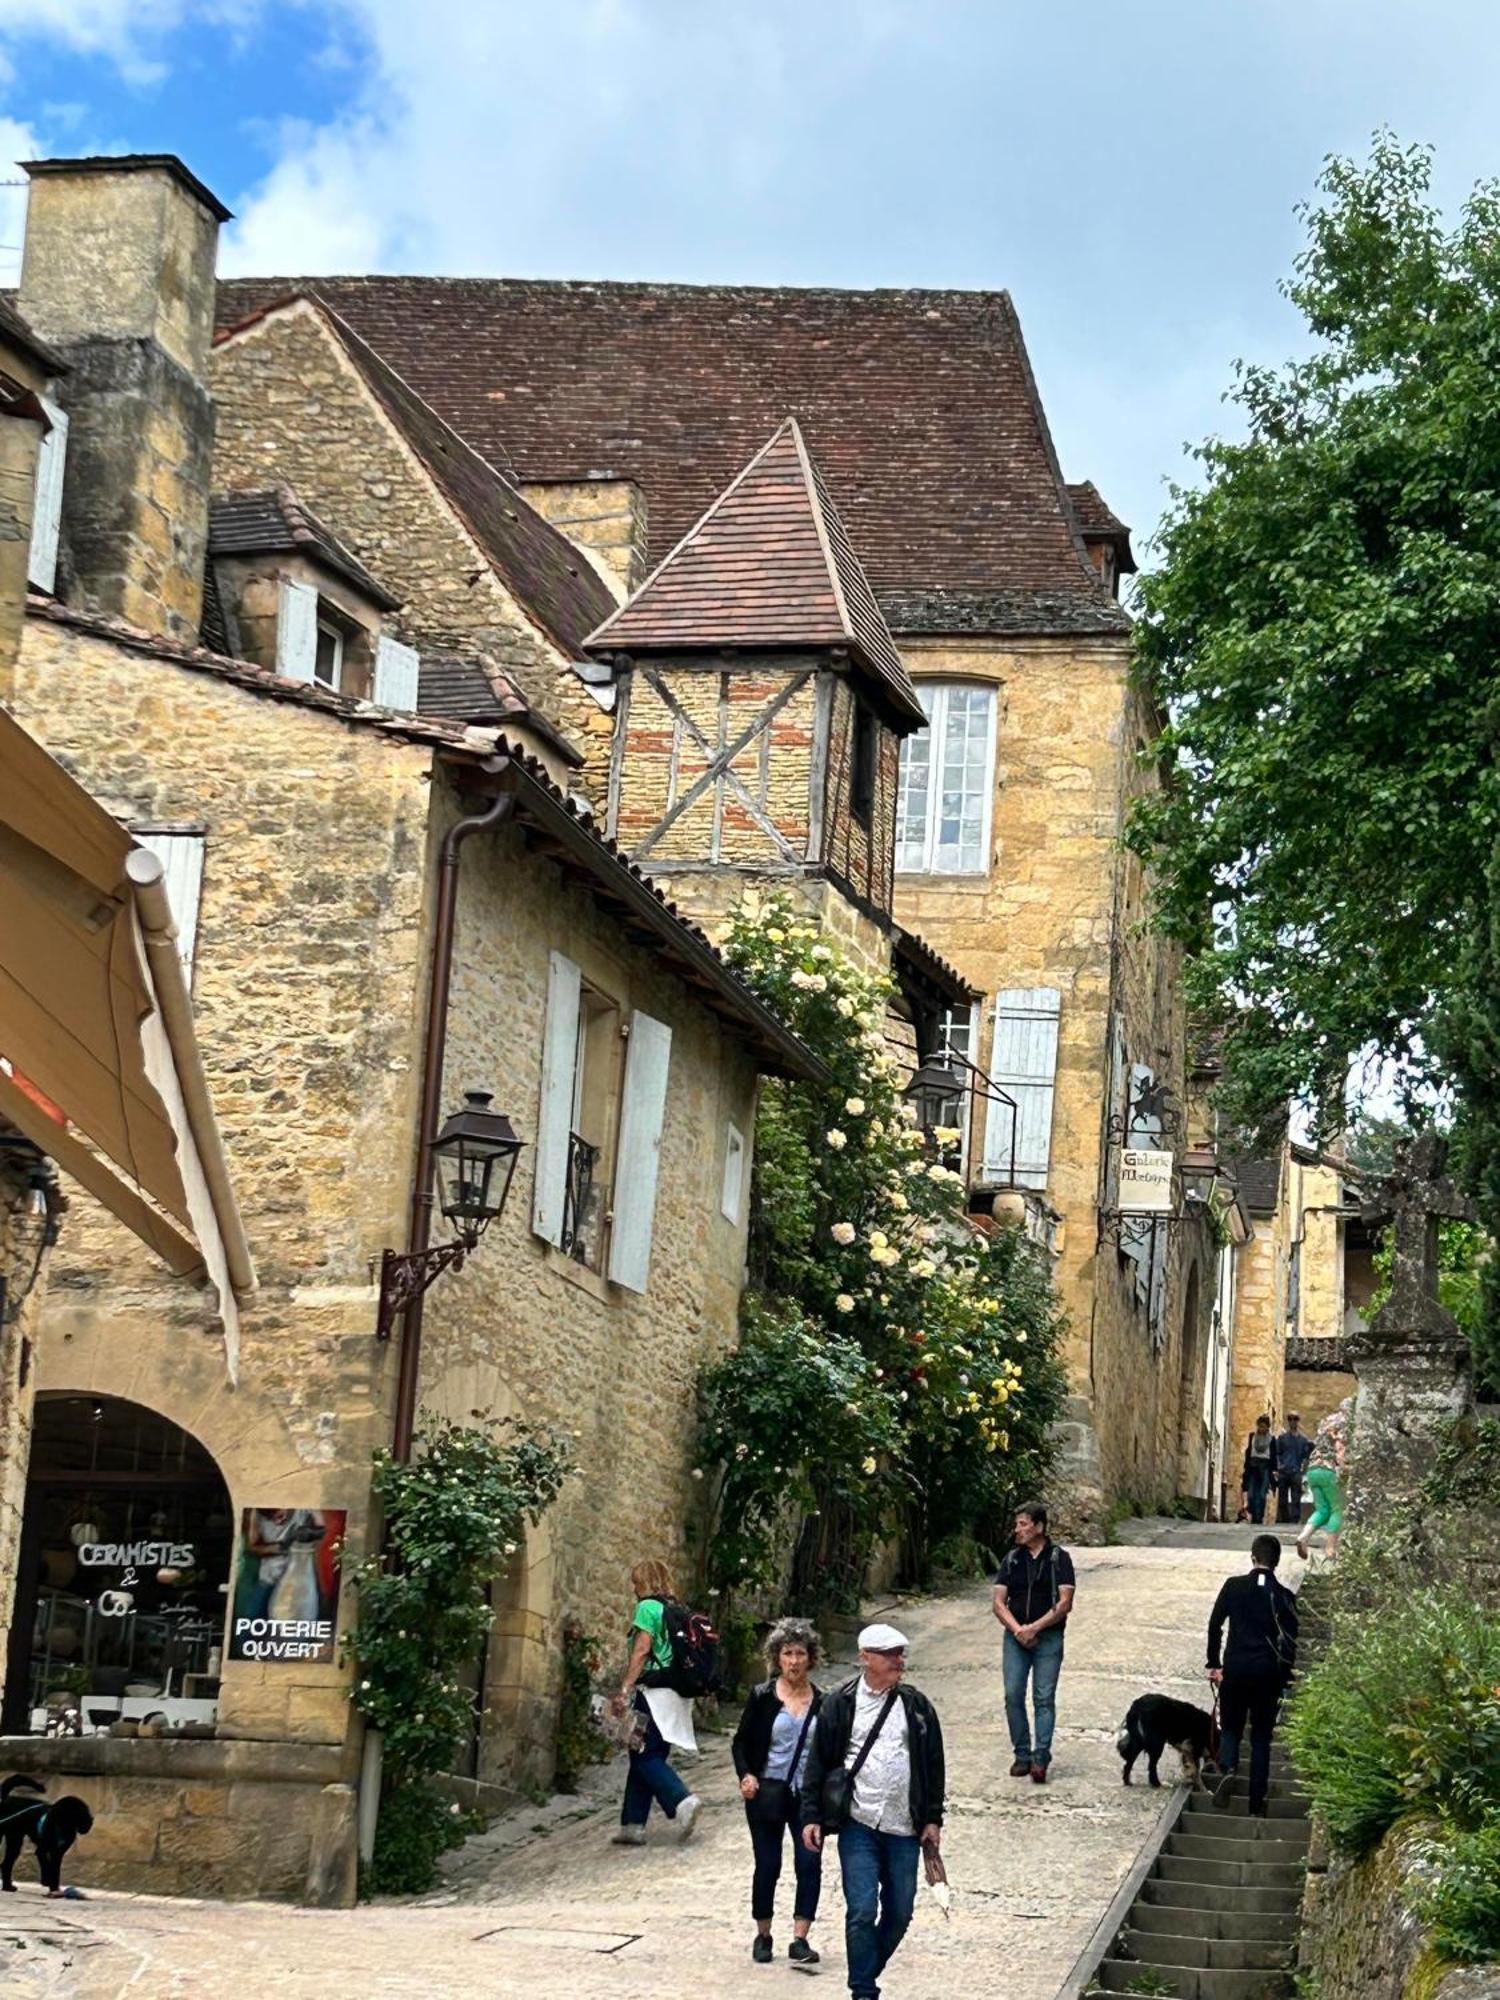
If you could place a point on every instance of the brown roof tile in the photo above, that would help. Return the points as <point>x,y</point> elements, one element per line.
<point>1098,521</point>
<point>769,565</point>
<point>920,404</point>
<point>273,520</point>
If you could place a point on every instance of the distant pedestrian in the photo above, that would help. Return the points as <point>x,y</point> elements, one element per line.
<point>875,1777</point>
<point>770,1753</point>
<point>1293,1449</point>
<point>1325,1478</point>
<point>1033,1596</point>
<point>667,1716</point>
<point>1258,1475</point>
<point>1251,1671</point>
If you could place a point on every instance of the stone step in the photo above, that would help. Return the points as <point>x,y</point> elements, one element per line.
<point>1167,1920</point>
<point>1230,1874</point>
<point>1229,1954</point>
<point>1122,1975</point>
<point>1211,1845</point>
<point>1280,1805</point>
<point>1265,1899</point>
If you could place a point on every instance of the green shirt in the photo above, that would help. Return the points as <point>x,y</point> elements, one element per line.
<point>651,1616</point>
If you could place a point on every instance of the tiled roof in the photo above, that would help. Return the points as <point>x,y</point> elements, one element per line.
<point>920,406</point>
<point>481,691</point>
<point>274,521</point>
<point>1099,522</point>
<point>1019,613</point>
<point>769,565</point>
<point>1258,1179</point>
<point>15,329</point>
<point>932,967</point>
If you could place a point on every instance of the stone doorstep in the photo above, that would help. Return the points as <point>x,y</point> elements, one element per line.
<point>1229,1954</point>
<point>1191,1983</point>
<point>1168,1920</point>
<point>1263,1900</point>
<point>1230,1874</point>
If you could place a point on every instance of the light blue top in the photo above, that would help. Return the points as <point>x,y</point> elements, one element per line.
<point>784,1733</point>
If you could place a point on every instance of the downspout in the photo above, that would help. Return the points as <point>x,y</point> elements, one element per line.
<point>435,1048</point>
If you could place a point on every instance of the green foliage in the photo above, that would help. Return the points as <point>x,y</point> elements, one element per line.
<point>1461,1903</point>
<point>1466,1470</point>
<point>579,1744</point>
<point>416,1826</point>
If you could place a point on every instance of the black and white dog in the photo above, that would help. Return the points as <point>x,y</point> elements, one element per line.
<point>51,1825</point>
<point>1155,1723</point>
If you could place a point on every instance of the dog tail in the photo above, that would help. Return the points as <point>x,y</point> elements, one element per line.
<point>21,1784</point>
<point>1125,1740</point>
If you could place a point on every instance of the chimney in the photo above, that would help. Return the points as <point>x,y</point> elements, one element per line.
<point>118,278</point>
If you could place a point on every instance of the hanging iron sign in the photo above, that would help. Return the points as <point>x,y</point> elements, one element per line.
<point>1145,1182</point>
<point>286,1593</point>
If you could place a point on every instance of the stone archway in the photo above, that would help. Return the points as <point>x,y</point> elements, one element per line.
<point>1192,1428</point>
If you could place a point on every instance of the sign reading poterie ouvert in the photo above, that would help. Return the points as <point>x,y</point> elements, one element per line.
<point>1145,1182</point>
<point>286,1591</point>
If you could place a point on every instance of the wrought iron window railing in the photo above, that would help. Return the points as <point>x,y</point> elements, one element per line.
<point>581,1202</point>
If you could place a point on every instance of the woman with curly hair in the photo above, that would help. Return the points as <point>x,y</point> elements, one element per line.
<point>770,1748</point>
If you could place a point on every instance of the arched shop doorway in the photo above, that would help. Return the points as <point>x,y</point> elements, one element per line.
<point>125,1557</point>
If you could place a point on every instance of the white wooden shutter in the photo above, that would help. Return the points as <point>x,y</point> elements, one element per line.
<point>1138,1239</point>
<point>181,854</point>
<point>1023,1063</point>
<point>732,1193</point>
<point>397,670</point>
<point>647,1058</point>
<point>297,631</point>
<point>46,516</point>
<point>555,1117</point>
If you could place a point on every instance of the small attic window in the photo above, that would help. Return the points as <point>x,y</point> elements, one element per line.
<point>328,668</point>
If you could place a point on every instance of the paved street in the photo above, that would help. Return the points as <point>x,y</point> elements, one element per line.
<point>541,1903</point>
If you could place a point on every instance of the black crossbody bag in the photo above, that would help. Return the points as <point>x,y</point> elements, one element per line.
<point>772,1794</point>
<point>838,1785</point>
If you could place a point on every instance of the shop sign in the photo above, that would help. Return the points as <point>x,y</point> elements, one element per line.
<point>1145,1182</point>
<point>286,1594</point>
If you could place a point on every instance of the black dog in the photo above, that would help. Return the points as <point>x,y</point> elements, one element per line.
<point>51,1827</point>
<point>1156,1722</point>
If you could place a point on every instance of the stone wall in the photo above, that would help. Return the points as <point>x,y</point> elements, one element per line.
<point>1362,1941</point>
<point>23,1270</point>
<point>1313,1392</point>
<point>606,518</point>
<point>1259,1352</point>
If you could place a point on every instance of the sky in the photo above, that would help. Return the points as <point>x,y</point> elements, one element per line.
<point>1128,173</point>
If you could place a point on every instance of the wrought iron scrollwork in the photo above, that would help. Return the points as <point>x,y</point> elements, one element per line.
<point>578,1199</point>
<point>404,1276</point>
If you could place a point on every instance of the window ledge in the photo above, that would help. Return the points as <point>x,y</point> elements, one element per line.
<point>573,1273</point>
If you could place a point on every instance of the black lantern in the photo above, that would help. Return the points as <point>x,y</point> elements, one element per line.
<point>1199,1167</point>
<point>936,1094</point>
<point>476,1154</point>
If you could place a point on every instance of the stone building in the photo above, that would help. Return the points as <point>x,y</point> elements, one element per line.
<point>309,793</point>
<point>633,415</point>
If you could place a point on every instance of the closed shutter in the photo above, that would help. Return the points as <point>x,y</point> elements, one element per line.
<point>46,516</point>
<point>181,854</point>
<point>397,671</point>
<point>555,1116</point>
<point>297,631</point>
<point>647,1059</point>
<point>1023,1063</point>
<point>1138,1240</point>
<point>733,1191</point>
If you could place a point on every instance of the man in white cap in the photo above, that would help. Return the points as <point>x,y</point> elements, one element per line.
<point>874,1776</point>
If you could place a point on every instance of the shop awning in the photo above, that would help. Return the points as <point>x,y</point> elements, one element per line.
<point>99,1063</point>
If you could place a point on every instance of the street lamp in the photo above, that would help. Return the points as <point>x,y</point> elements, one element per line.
<point>936,1095</point>
<point>475,1158</point>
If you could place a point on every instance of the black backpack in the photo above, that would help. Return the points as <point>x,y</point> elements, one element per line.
<point>696,1667</point>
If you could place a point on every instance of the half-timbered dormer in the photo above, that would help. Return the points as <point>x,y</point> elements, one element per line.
<point>761,706</point>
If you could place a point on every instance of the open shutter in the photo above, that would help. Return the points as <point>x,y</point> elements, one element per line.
<point>732,1193</point>
<point>1023,1063</point>
<point>397,670</point>
<point>647,1058</point>
<point>46,516</point>
<point>181,854</point>
<point>555,1117</point>
<point>297,631</point>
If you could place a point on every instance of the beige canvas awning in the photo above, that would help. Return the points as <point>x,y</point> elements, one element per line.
<point>99,1064</point>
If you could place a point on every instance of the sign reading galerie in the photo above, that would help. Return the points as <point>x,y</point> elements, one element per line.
<point>286,1594</point>
<point>1145,1182</point>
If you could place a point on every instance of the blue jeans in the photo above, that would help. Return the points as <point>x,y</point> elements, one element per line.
<point>1257,1488</point>
<point>880,1893</point>
<point>651,1777</point>
<point>1044,1661</point>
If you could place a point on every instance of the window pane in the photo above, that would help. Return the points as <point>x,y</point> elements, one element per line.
<point>912,795</point>
<point>945,780</point>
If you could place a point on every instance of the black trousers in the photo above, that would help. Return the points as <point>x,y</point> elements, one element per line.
<point>1252,1698</point>
<point>768,1838</point>
<point>1289,1500</point>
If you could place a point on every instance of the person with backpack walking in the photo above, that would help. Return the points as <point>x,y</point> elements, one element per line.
<point>1325,1478</point>
<point>1251,1672</point>
<point>874,1776</point>
<point>1033,1596</point>
<point>657,1631</point>
<point>770,1752</point>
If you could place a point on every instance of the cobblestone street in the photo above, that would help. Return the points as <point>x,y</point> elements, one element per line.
<point>541,1903</point>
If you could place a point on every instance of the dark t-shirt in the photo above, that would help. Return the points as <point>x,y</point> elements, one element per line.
<point>1031,1583</point>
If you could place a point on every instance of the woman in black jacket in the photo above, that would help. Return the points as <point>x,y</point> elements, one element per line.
<point>770,1750</point>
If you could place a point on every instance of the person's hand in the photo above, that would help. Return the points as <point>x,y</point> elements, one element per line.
<point>749,1786</point>
<point>812,1839</point>
<point>1027,1636</point>
<point>1215,1675</point>
<point>932,1836</point>
<point>617,1702</point>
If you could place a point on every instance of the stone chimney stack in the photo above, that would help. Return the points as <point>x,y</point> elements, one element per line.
<point>118,278</point>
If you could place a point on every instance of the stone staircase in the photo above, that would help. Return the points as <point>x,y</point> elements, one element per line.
<point>1216,1916</point>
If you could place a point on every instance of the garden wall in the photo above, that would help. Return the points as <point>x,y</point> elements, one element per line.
<point>1360,1939</point>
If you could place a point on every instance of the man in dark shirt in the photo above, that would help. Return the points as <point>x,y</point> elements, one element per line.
<point>1033,1596</point>
<point>1252,1670</point>
<point>1293,1450</point>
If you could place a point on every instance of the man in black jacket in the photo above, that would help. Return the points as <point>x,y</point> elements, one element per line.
<point>887,1739</point>
<point>1252,1671</point>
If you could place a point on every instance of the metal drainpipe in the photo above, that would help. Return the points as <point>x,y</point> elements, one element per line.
<point>420,1233</point>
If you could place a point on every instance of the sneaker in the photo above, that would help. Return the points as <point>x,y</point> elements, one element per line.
<point>762,1951</point>
<point>802,1955</point>
<point>686,1816</point>
<point>1039,1774</point>
<point>1223,1788</point>
<point>628,1836</point>
<point>1021,1768</point>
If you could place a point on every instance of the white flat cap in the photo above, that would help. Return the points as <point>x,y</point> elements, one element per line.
<point>882,1639</point>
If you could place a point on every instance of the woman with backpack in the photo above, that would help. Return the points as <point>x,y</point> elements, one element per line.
<point>769,1751</point>
<point>1325,1479</point>
<point>667,1715</point>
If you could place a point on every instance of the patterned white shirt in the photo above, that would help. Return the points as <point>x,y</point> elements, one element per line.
<point>882,1787</point>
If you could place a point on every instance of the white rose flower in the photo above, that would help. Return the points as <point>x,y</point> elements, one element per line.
<point>846,1008</point>
<point>836,1139</point>
<point>923,1268</point>
<point>821,951</point>
<point>843,1232</point>
<point>844,1303</point>
<point>776,936</point>
<point>855,1106</point>
<point>816,983</point>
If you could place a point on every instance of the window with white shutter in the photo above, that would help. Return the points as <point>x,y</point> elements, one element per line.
<point>1023,1064</point>
<point>46,516</point>
<point>554,1123</point>
<point>297,631</point>
<point>947,778</point>
<point>643,1111</point>
<point>181,855</point>
<point>397,671</point>
<point>732,1194</point>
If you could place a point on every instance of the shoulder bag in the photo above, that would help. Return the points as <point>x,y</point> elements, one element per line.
<point>838,1785</point>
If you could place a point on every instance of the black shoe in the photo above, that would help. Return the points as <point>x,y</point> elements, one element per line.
<point>1259,1812</point>
<point>762,1951</point>
<point>802,1955</point>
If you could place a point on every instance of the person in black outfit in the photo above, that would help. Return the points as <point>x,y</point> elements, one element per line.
<point>770,1752</point>
<point>1251,1672</point>
<point>1259,1473</point>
